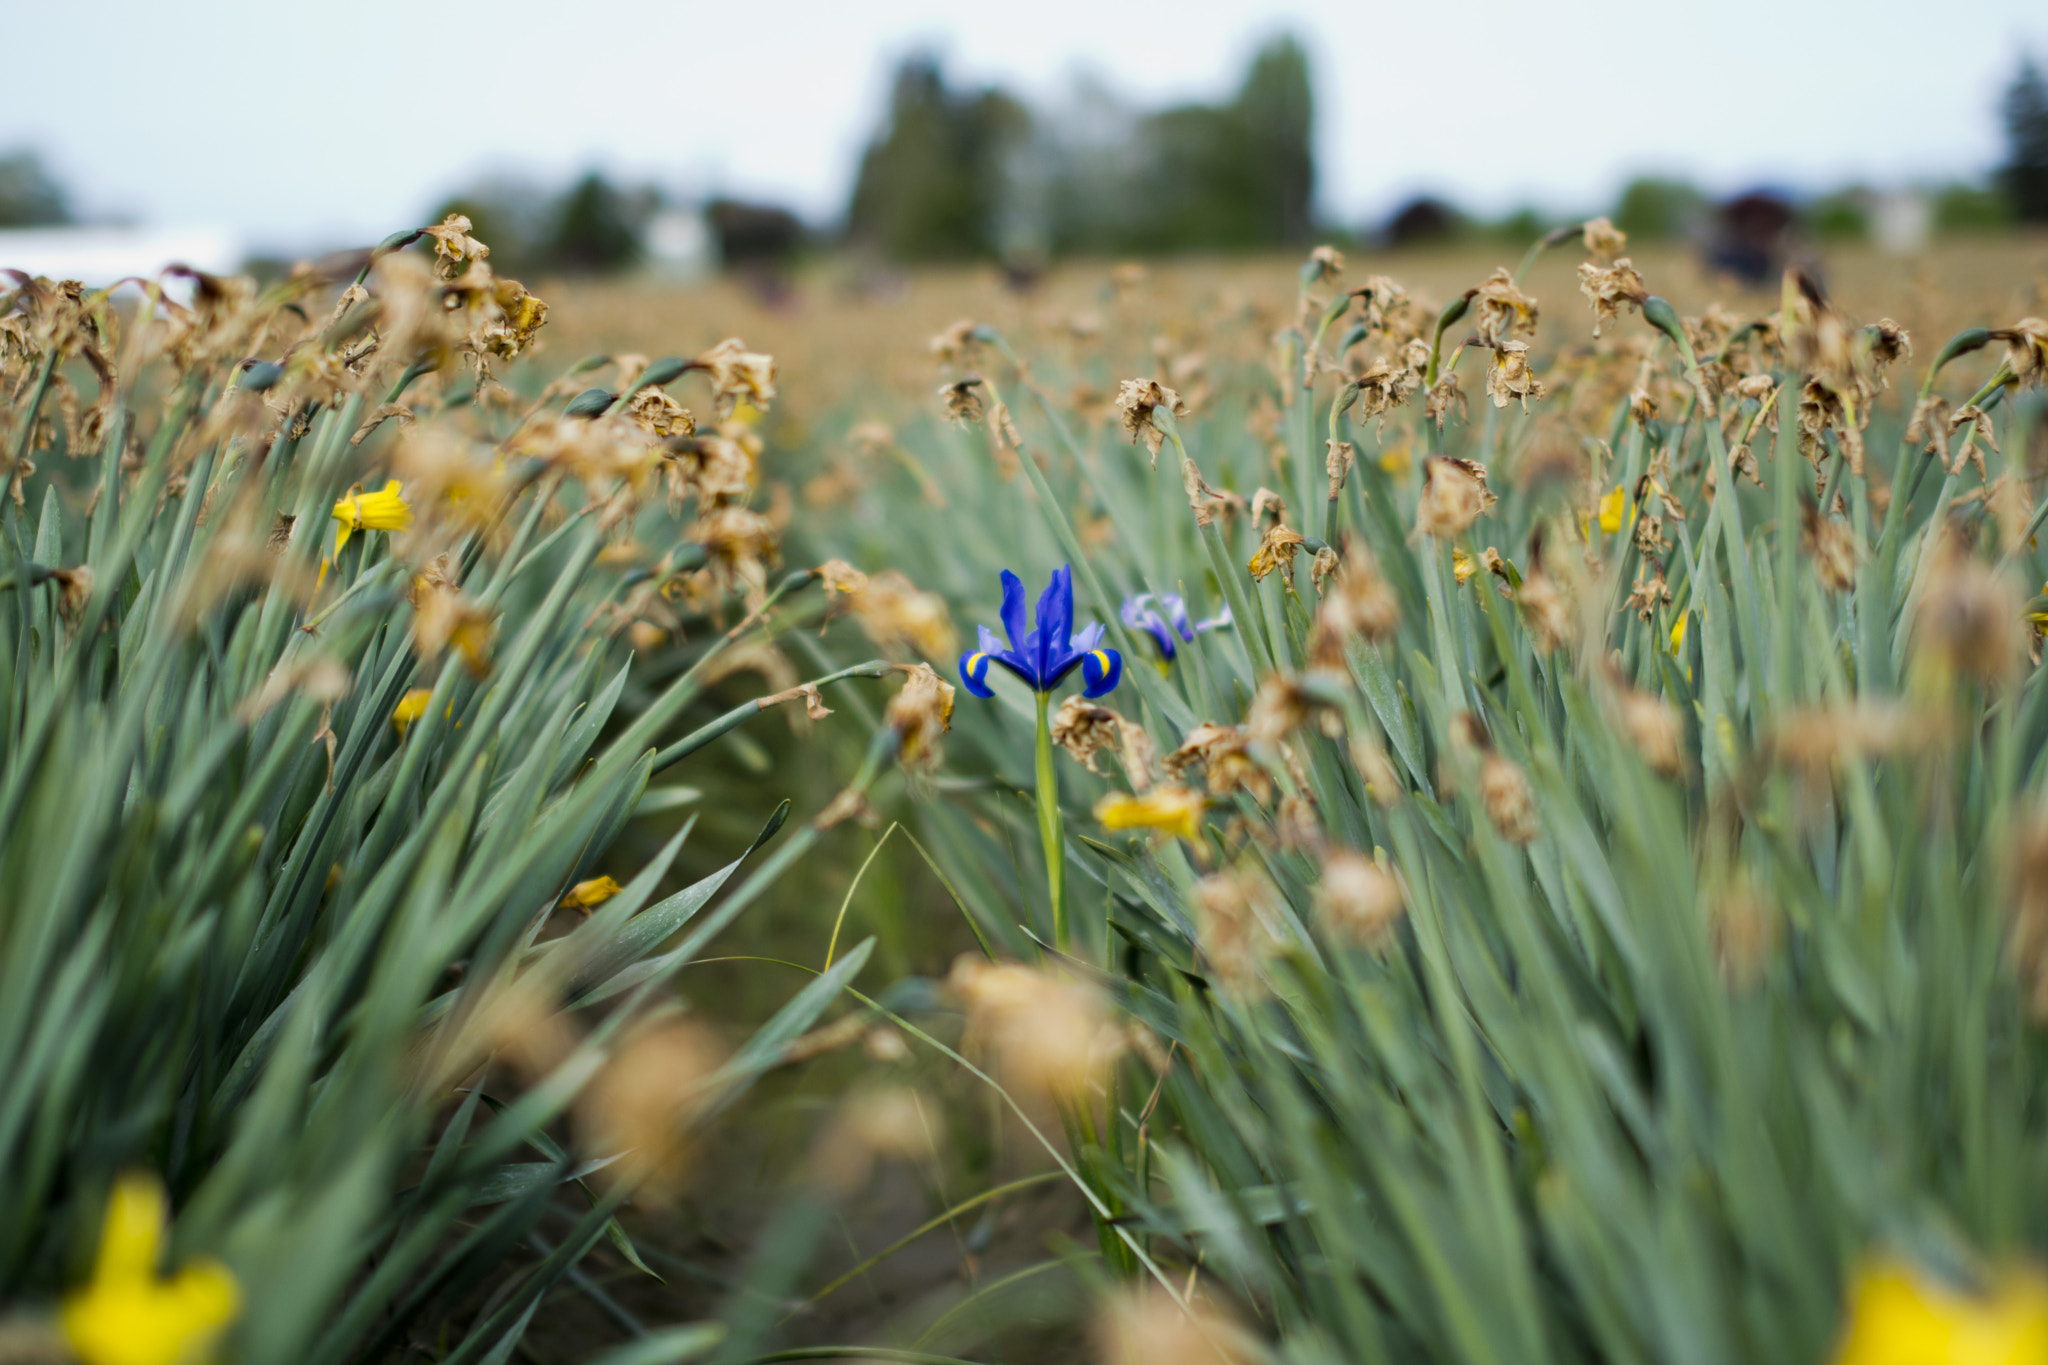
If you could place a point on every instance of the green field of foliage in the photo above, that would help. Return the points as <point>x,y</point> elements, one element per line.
<point>1303,819</point>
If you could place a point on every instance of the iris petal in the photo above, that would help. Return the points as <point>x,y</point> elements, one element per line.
<point>1055,617</point>
<point>1013,610</point>
<point>1101,670</point>
<point>974,671</point>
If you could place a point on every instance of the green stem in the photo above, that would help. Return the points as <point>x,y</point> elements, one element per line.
<point>1050,832</point>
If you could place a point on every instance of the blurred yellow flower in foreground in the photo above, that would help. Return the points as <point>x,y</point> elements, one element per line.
<point>127,1316</point>
<point>1174,810</point>
<point>410,708</point>
<point>1897,1317</point>
<point>588,895</point>
<point>384,510</point>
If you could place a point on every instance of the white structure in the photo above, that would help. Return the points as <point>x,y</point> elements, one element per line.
<point>100,255</point>
<point>680,244</point>
<point>1901,219</point>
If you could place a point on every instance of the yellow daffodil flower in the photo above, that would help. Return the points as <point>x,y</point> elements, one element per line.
<point>1678,634</point>
<point>1613,508</point>
<point>1172,810</point>
<point>1397,461</point>
<point>410,708</point>
<point>384,510</point>
<point>125,1315</point>
<point>1462,567</point>
<point>588,895</point>
<point>1898,1317</point>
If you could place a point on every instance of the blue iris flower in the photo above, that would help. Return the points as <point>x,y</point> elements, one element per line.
<point>1044,655</point>
<point>1166,615</point>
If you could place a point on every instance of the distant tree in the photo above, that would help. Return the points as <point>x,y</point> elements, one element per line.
<point>1843,216</point>
<point>596,228</point>
<point>1963,210</point>
<point>1656,209</point>
<point>2024,177</point>
<point>1234,176</point>
<point>930,186</point>
<point>29,195</point>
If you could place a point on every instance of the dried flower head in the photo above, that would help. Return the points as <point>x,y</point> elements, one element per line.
<point>1831,543</point>
<point>1505,793</point>
<point>1742,928</point>
<point>648,1102</point>
<point>964,400</point>
<point>1357,601</point>
<point>1146,1327</point>
<point>1222,752</point>
<point>1611,288</point>
<point>2027,937</point>
<point>1969,618</point>
<point>1502,312</point>
<point>919,713</point>
<point>1444,398</point>
<point>738,375</point>
<point>1603,239</point>
<point>956,344</point>
<point>1382,783</point>
<point>1136,400</point>
<point>454,249</point>
<point>1509,378</point>
<point>1276,551</point>
<point>1453,499</point>
<point>1085,730</point>
<point>1545,612</point>
<point>1654,728</point>
<point>1338,462</point>
<point>1049,1033</point>
<point>1357,899</point>
<point>2026,350</point>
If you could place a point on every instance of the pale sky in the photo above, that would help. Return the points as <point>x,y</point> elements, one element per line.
<point>302,126</point>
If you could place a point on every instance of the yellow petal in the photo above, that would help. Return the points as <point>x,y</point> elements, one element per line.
<point>132,1230</point>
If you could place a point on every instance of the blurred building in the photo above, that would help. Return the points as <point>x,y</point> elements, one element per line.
<point>100,256</point>
<point>680,243</point>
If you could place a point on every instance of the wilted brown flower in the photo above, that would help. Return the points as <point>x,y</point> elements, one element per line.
<point>1510,378</point>
<point>1276,551</point>
<point>647,1102</point>
<point>1502,312</point>
<point>1085,729</point>
<point>1610,289</point>
<point>1222,753</point>
<point>1233,931</point>
<point>454,249</point>
<point>1831,544</point>
<point>1382,783</point>
<point>1385,385</point>
<point>1979,423</point>
<point>919,713</point>
<point>964,401</point>
<point>1358,601</point>
<point>1889,343</point>
<point>1326,263</point>
<point>1049,1034</point>
<point>1444,397</point>
<point>1453,498</point>
<point>2026,350</point>
<point>956,343</point>
<point>738,375</point>
<point>444,618</point>
<point>1146,1327</point>
<point>740,545</point>
<point>1357,898</point>
<point>1603,239</point>
<point>1545,612</point>
<point>1654,728</point>
<point>1742,927</point>
<point>1338,462</point>
<point>1969,618</point>
<point>1814,739</point>
<point>1649,592</point>
<point>1135,401</point>
<point>1504,792</point>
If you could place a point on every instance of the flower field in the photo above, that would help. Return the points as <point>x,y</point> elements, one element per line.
<point>1417,808</point>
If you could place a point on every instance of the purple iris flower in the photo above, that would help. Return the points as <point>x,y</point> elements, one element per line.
<point>1044,655</point>
<point>1165,615</point>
